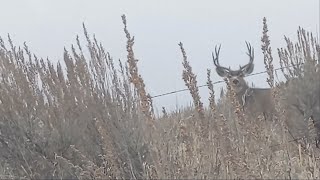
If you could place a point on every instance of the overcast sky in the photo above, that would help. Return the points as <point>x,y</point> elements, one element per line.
<point>158,26</point>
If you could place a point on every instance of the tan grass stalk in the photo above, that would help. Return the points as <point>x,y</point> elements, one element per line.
<point>190,80</point>
<point>212,103</point>
<point>136,79</point>
<point>267,54</point>
<point>238,109</point>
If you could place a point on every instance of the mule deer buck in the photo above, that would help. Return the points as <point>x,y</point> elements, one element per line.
<point>254,101</point>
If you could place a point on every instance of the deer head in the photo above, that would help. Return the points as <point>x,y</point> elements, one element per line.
<point>235,77</point>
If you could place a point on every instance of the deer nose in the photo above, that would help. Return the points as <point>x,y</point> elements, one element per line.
<point>235,81</point>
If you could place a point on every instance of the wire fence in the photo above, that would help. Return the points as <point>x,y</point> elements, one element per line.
<point>220,81</point>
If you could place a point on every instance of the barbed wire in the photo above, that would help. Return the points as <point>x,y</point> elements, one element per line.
<point>221,81</point>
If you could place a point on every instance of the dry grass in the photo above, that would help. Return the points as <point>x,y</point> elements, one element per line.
<point>88,118</point>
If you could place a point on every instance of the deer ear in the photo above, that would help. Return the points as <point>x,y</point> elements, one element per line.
<point>248,69</point>
<point>221,72</point>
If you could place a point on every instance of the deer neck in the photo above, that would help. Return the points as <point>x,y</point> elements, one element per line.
<point>244,96</point>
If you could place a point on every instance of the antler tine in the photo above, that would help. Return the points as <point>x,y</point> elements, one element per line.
<point>216,57</point>
<point>250,52</point>
<point>248,68</point>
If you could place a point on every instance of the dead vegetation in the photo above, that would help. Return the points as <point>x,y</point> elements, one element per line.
<point>91,117</point>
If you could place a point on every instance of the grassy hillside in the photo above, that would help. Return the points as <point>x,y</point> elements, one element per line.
<point>94,119</point>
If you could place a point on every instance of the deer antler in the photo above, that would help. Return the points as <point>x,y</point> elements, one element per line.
<point>216,58</point>
<point>250,53</point>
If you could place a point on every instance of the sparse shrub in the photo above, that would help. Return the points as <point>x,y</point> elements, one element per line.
<point>302,92</point>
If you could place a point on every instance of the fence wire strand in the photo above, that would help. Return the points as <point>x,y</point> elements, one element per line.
<point>221,81</point>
